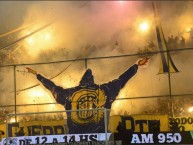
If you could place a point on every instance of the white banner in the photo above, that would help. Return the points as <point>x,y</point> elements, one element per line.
<point>55,139</point>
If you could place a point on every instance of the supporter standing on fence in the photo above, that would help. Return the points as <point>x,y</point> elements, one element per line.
<point>88,95</point>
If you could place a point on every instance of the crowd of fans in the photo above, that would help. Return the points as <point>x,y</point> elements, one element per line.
<point>172,43</point>
<point>179,42</point>
<point>176,42</point>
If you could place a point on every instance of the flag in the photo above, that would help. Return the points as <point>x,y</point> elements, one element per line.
<point>167,64</point>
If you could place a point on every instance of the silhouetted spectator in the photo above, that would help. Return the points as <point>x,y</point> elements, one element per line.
<point>1,133</point>
<point>176,42</point>
<point>120,127</point>
<point>171,42</point>
<point>174,126</point>
<point>182,42</point>
<point>151,45</point>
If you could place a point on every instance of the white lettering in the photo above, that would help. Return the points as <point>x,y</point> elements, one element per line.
<point>177,137</point>
<point>147,138</point>
<point>135,138</point>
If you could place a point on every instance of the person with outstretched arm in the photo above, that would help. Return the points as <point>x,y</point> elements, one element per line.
<point>89,97</point>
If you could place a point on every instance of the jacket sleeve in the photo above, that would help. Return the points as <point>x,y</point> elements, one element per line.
<point>58,92</point>
<point>113,88</point>
<point>127,75</point>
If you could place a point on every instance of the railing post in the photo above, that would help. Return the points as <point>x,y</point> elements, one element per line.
<point>106,127</point>
<point>15,94</point>
<point>86,66</point>
<point>7,130</point>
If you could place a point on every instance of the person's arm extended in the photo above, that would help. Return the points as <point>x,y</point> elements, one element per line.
<point>46,82</point>
<point>57,91</point>
<point>132,71</point>
<point>129,73</point>
<point>114,87</point>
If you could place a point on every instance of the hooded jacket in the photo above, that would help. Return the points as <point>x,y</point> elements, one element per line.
<point>88,95</point>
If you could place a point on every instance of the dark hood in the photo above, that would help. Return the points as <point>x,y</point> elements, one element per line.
<point>87,78</point>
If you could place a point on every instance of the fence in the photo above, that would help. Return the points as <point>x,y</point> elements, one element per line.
<point>56,131</point>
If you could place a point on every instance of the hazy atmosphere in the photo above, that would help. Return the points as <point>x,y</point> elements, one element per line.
<point>46,31</point>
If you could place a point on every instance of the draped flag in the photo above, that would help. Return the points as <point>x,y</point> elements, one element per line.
<point>167,65</point>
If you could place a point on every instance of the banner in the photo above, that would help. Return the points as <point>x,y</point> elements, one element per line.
<point>33,128</point>
<point>57,139</point>
<point>182,123</point>
<point>140,123</point>
<point>135,123</point>
<point>157,138</point>
<point>101,139</point>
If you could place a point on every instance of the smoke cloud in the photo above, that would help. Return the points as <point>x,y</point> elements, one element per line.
<point>86,29</point>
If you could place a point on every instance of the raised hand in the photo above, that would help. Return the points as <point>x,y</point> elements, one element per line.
<point>31,71</point>
<point>143,61</point>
